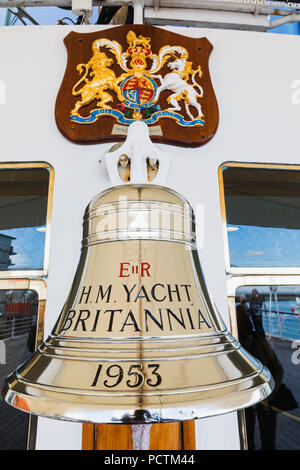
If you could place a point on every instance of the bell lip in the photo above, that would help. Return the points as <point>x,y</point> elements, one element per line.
<point>197,409</point>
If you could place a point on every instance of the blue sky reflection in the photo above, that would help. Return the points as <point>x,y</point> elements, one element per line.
<point>29,246</point>
<point>264,246</point>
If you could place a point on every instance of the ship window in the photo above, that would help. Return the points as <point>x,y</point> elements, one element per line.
<point>267,320</point>
<point>24,216</point>
<point>21,330</point>
<point>261,216</point>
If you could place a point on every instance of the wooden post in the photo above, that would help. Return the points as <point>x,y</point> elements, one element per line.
<point>163,436</point>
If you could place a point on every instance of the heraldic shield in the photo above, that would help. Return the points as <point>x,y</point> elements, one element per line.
<point>137,72</point>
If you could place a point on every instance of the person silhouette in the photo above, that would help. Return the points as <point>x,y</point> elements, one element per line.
<point>255,310</point>
<point>259,347</point>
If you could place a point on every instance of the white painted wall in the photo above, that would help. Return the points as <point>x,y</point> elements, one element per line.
<point>252,74</point>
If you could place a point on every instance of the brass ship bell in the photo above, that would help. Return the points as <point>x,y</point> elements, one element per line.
<point>139,339</point>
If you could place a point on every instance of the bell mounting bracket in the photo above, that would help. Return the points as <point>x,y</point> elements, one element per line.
<point>139,155</point>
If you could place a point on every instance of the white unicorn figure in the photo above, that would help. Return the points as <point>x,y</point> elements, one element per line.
<point>176,81</point>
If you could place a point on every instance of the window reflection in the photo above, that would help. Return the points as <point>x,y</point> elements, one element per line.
<point>26,250</point>
<point>268,320</point>
<point>23,213</point>
<point>18,324</point>
<point>262,214</point>
<point>6,251</point>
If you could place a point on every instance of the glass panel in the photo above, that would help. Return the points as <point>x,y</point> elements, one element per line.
<point>18,323</point>
<point>23,212</point>
<point>268,319</point>
<point>262,212</point>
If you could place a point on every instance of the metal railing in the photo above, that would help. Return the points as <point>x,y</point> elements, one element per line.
<point>240,5</point>
<point>284,325</point>
<point>15,326</point>
<point>248,14</point>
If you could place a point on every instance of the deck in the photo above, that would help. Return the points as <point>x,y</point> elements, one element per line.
<point>288,423</point>
<point>13,423</point>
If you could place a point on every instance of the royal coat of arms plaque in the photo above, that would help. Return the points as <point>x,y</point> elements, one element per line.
<point>137,72</point>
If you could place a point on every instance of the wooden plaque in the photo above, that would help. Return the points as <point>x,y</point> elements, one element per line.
<point>137,72</point>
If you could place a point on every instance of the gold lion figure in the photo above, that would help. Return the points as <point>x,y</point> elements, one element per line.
<point>135,41</point>
<point>102,79</point>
